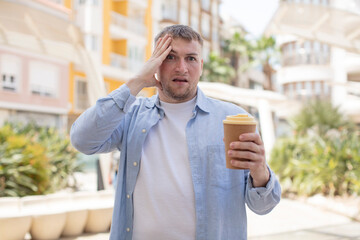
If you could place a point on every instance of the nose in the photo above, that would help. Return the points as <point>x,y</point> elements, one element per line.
<point>181,66</point>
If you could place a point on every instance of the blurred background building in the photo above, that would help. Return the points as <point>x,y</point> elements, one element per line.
<point>58,56</point>
<point>320,47</point>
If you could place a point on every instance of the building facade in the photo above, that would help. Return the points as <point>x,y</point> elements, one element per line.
<point>319,42</point>
<point>117,34</point>
<point>34,62</point>
<point>103,44</point>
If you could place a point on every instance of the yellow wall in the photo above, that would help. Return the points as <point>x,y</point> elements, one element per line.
<point>148,24</point>
<point>72,75</point>
<point>121,7</point>
<point>113,84</point>
<point>67,3</point>
<point>107,8</point>
<point>119,47</point>
<point>71,86</point>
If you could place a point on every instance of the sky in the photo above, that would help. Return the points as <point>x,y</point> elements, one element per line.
<point>252,14</point>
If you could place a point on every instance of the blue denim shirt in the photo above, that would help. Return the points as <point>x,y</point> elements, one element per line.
<point>122,121</point>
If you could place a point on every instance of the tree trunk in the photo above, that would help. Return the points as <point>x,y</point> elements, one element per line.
<point>268,71</point>
<point>235,63</point>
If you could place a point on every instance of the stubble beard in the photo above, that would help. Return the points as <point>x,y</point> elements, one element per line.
<point>178,96</point>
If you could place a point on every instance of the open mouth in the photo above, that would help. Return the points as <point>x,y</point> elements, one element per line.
<point>179,80</point>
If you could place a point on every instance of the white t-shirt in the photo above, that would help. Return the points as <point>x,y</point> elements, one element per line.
<point>164,201</point>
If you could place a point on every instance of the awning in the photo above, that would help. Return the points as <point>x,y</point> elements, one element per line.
<point>317,23</point>
<point>241,96</point>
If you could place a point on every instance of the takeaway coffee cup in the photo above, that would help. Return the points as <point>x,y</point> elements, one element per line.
<point>234,126</point>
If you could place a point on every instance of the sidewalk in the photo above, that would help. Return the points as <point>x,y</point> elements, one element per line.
<point>291,219</point>
<point>298,220</point>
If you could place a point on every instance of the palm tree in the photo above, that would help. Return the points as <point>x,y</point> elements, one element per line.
<point>240,50</point>
<point>265,50</point>
<point>218,69</point>
<point>319,116</point>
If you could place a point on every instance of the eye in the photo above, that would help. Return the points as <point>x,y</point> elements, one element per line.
<point>192,58</point>
<point>170,57</point>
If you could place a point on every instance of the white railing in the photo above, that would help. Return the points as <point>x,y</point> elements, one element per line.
<point>139,2</point>
<point>128,23</point>
<point>142,3</point>
<point>119,61</point>
<point>123,62</point>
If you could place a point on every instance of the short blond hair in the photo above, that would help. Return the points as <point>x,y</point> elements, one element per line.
<point>180,31</point>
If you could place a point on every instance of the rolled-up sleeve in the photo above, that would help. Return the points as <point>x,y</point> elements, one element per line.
<point>262,200</point>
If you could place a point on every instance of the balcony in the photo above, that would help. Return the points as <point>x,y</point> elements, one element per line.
<point>140,3</point>
<point>122,66</point>
<point>118,61</point>
<point>123,27</point>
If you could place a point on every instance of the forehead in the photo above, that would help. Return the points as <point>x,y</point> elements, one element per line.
<point>183,46</point>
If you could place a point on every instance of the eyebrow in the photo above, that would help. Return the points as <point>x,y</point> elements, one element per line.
<point>188,54</point>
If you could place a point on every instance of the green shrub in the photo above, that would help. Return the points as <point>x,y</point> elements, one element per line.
<point>34,160</point>
<point>323,157</point>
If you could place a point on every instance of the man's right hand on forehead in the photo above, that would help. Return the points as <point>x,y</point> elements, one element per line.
<point>146,76</point>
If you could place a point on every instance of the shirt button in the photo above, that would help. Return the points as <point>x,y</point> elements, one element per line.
<point>128,229</point>
<point>135,164</point>
<point>144,130</point>
<point>128,196</point>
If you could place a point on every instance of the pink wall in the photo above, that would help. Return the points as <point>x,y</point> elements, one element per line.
<point>24,95</point>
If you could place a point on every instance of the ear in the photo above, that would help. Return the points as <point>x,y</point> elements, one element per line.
<point>202,63</point>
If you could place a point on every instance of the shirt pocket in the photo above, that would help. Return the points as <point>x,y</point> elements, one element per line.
<point>219,175</point>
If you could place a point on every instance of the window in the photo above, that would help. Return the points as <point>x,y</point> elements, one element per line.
<point>93,2</point>
<point>44,79</point>
<point>81,95</point>
<point>10,72</point>
<point>317,88</point>
<point>195,11</point>
<point>8,83</point>
<point>308,88</point>
<point>195,22</point>
<point>214,9</point>
<point>184,12</point>
<point>91,42</point>
<point>205,26</point>
<point>184,16</point>
<point>214,35</point>
<point>325,2</point>
<point>169,10</point>
<point>136,57</point>
<point>206,52</point>
<point>205,4</point>
<point>57,1</point>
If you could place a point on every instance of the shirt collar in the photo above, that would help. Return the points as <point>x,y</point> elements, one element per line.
<point>201,101</point>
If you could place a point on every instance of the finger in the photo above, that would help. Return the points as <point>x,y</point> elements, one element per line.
<point>157,45</point>
<point>165,53</point>
<point>241,164</point>
<point>165,47</point>
<point>251,137</point>
<point>163,44</point>
<point>244,155</point>
<point>250,146</point>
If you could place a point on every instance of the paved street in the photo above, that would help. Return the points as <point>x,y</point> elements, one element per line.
<point>297,220</point>
<point>291,219</point>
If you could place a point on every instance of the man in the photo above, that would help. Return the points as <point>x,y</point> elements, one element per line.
<point>172,180</point>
